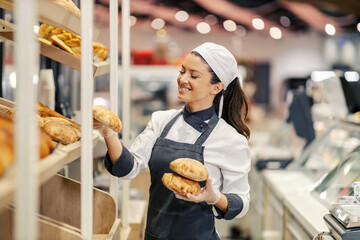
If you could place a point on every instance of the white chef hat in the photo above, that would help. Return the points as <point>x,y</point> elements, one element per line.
<point>222,62</point>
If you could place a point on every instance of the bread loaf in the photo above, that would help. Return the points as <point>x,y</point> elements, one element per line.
<point>69,42</point>
<point>190,168</point>
<point>107,117</point>
<point>46,145</point>
<point>179,184</point>
<point>46,112</point>
<point>60,132</point>
<point>6,144</point>
<point>70,6</point>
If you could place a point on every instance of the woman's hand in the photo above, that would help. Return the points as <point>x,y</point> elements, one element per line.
<point>104,131</point>
<point>208,194</point>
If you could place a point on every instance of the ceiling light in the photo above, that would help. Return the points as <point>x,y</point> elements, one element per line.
<point>157,23</point>
<point>351,76</point>
<point>285,21</point>
<point>203,28</point>
<point>258,23</point>
<point>330,29</point>
<point>358,27</point>
<point>211,19</point>
<point>132,20</point>
<point>181,16</point>
<point>229,25</point>
<point>275,33</point>
<point>240,31</point>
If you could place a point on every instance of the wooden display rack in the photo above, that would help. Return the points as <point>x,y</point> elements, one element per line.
<point>46,167</point>
<point>55,15</point>
<point>60,198</point>
<point>59,214</point>
<point>7,30</point>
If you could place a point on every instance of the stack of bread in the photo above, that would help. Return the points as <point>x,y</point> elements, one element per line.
<point>58,127</point>
<point>46,145</point>
<point>188,172</point>
<point>68,41</point>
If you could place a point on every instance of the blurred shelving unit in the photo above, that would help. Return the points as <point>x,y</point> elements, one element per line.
<point>60,198</point>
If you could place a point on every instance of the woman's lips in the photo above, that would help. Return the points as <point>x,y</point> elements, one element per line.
<point>184,90</point>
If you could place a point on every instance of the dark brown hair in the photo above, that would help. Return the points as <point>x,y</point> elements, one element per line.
<point>235,107</point>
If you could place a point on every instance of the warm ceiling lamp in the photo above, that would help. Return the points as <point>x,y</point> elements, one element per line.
<point>181,16</point>
<point>258,24</point>
<point>229,25</point>
<point>275,33</point>
<point>330,29</point>
<point>203,28</point>
<point>358,27</point>
<point>157,23</point>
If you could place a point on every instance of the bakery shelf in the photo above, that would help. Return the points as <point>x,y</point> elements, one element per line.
<point>54,14</point>
<point>46,167</point>
<point>7,31</point>
<point>73,151</point>
<point>70,60</point>
<point>59,214</point>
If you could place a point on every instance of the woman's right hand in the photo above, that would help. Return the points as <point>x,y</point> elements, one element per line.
<point>104,131</point>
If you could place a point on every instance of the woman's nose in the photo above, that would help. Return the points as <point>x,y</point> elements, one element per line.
<point>183,78</point>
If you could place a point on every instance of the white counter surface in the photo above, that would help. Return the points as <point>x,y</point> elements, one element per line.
<point>286,182</point>
<point>308,210</point>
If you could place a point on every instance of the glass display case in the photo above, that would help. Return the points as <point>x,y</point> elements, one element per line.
<point>325,153</point>
<point>338,182</point>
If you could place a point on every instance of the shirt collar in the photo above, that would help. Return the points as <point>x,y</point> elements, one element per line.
<point>197,119</point>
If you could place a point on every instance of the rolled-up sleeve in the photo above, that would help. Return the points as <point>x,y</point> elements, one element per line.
<point>235,206</point>
<point>131,162</point>
<point>122,166</point>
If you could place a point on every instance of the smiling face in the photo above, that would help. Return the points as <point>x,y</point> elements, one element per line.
<point>194,84</point>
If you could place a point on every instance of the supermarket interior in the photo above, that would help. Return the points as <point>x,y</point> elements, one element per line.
<point>92,173</point>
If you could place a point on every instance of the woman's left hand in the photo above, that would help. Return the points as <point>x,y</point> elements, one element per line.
<point>208,194</point>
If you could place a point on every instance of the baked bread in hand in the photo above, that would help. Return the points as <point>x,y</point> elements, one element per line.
<point>190,168</point>
<point>107,118</point>
<point>179,184</point>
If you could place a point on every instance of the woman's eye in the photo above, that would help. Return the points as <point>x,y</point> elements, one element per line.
<point>194,76</point>
<point>181,72</point>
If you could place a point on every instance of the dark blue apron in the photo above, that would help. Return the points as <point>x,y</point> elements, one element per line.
<point>168,217</point>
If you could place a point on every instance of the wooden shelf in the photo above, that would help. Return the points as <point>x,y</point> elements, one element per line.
<point>55,15</point>
<point>59,213</point>
<point>46,167</point>
<point>7,30</point>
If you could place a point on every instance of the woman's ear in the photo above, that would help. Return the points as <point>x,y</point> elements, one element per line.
<point>217,88</point>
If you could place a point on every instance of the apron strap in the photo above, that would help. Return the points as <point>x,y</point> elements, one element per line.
<point>169,125</point>
<point>211,125</point>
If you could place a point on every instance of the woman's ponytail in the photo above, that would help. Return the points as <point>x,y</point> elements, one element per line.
<point>235,108</point>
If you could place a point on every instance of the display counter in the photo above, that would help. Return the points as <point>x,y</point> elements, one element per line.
<point>300,178</point>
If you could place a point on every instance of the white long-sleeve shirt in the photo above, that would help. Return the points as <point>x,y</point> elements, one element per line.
<point>226,154</point>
